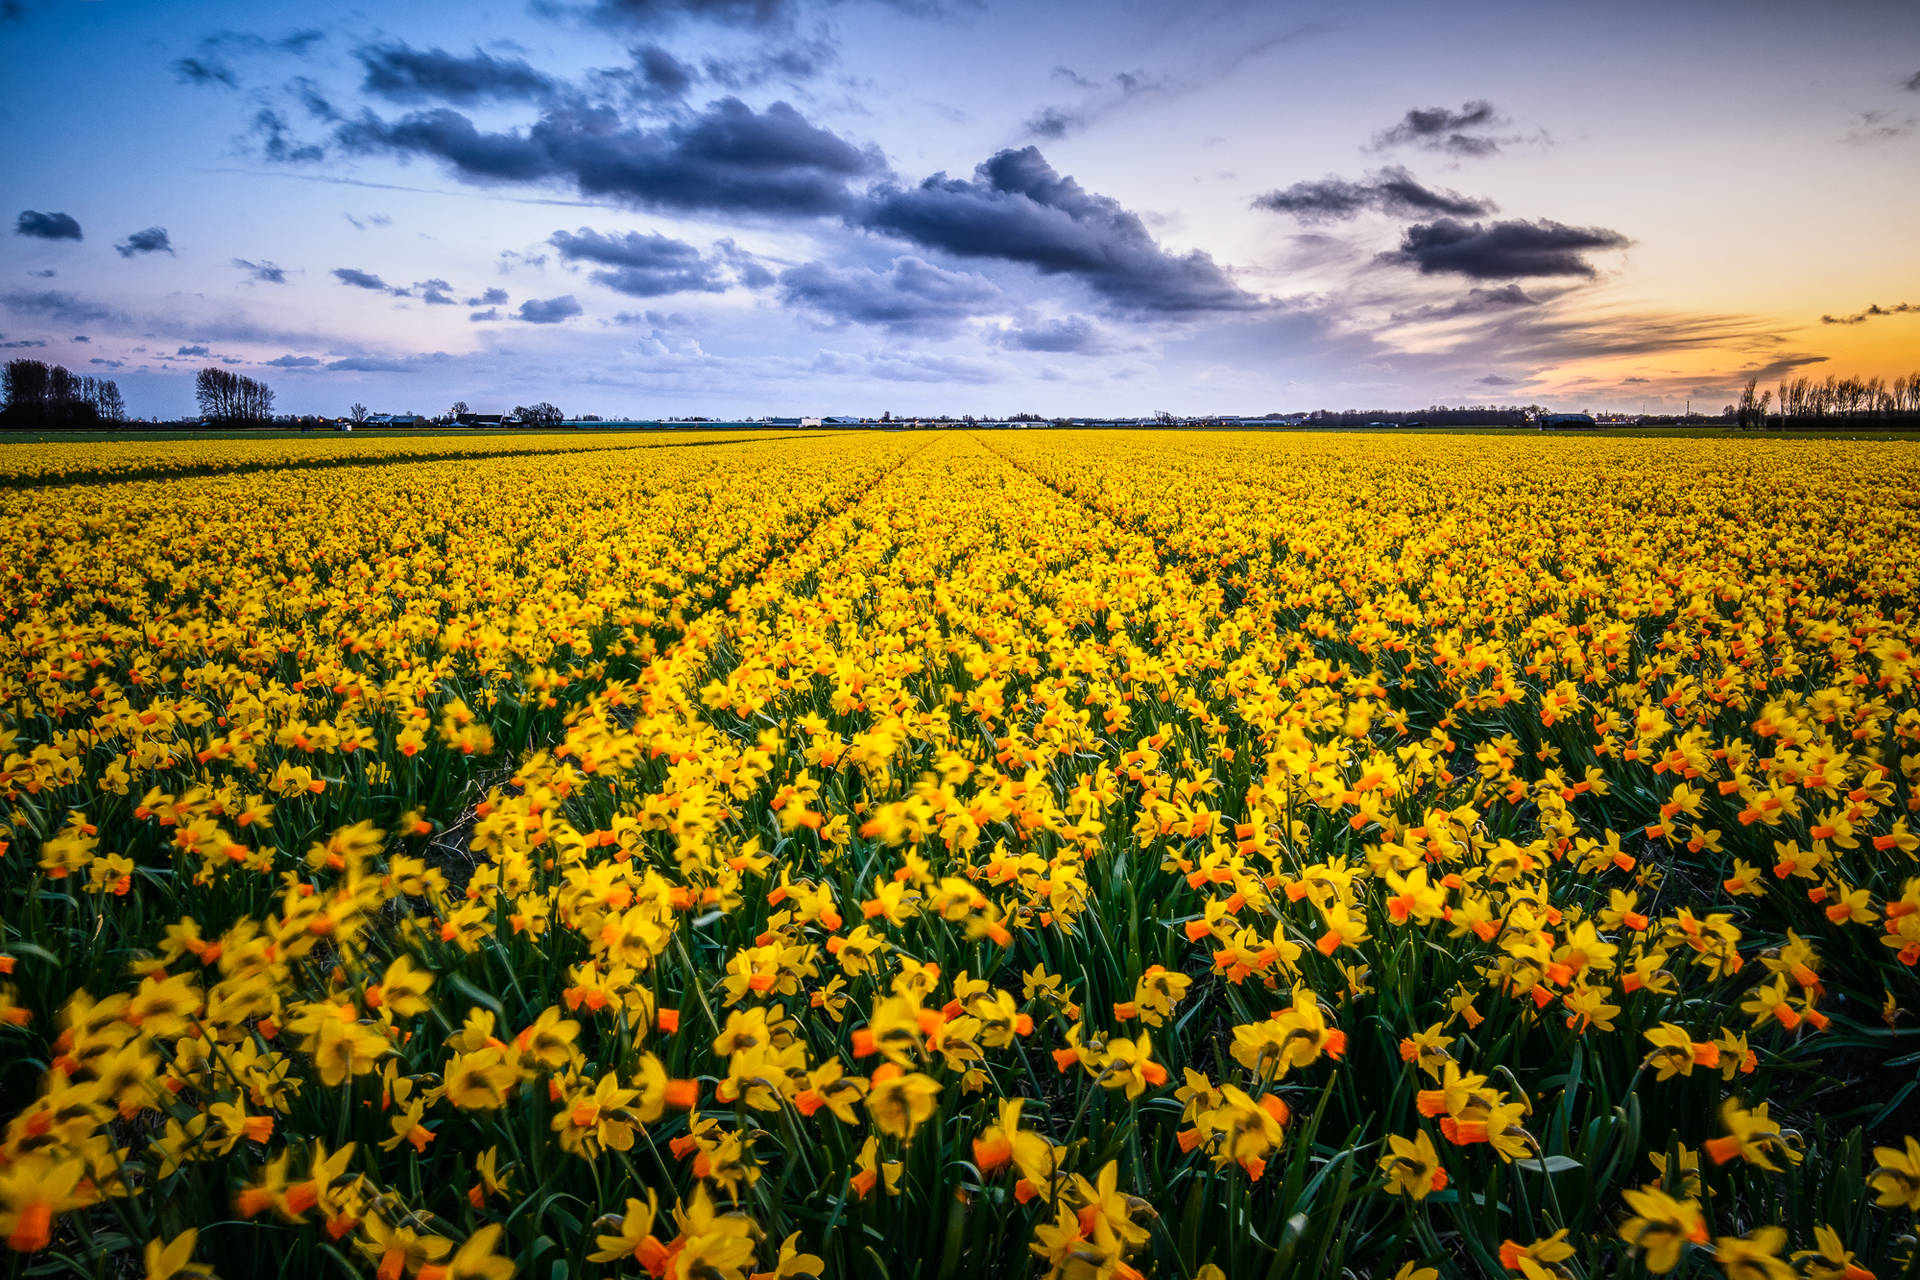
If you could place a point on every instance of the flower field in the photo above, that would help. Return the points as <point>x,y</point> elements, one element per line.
<point>87,462</point>
<point>989,855</point>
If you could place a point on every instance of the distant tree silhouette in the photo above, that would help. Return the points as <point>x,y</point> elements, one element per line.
<point>40,396</point>
<point>1817,402</point>
<point>112,408</point>
<point>1746,415</point>
<point>232,399</point>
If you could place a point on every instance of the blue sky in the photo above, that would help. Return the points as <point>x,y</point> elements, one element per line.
<point>728,207</point>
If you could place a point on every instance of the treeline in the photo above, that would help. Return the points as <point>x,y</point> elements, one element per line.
<point>538,415</point>
<point>1825,402</point>
<point>232,399</point>
<point>41,396</point>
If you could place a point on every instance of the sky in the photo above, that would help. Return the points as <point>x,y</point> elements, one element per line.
<point>643,208</point>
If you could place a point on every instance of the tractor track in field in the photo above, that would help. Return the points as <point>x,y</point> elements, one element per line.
<point>1169,561</point>
<point>452,848</point>
<point>794,544</point>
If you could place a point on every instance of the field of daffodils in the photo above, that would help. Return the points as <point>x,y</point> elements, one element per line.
<point>979,855</point>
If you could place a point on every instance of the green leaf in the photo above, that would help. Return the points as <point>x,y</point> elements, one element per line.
<point>1549,1164</point>
<point>38,953</point>
<point>460,983</point>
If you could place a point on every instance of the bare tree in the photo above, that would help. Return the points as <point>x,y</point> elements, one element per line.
<point>232,399</point>
<point>539,415</point>
<point>38,394</point>
<point>63,389</point>
<point>1906,392</point>
<point>1874,395</point>
<point>358,412</point>
<point>111,407</point>
<point>1748,404</point>
<point>26,391</point>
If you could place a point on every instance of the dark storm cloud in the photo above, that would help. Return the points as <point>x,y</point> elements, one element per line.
<point>1781,366</point>
<point>655,78</point>
<point>195,350</point>
<point>276,140</point>
<point>1913,83</point>
<point>1507,295</point>
<point>792,63</point>
<point>491,298</point>
<point>210,66</point>
<point>447,135</point>
<point>401,73</point>
<point>1476,302</point>
<point>152,240</point>
<point>747,269</point>
<point>249,42</point>
<point>641,265</point>
<point>1073,335</point>
<point>435,293</point>
<point>47,226</point>
<point>911,295</point>
<point>660,72</point>
<point>549,310</point>
<point>293,362</point>
<point>264,272</point>
<point>205,71</point>
<point>1442,129</point>
<point>316,103</point>
<point>1054,123</point>
<point>1861,317</point>
<point>729,157</point>
<point>653,319</point>
<point>1018,209</point>
<point>1392,190</point>
<point>1503,249</point>
<point>653,14</point>
<point>662,13</point>
<point>362,279</point>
